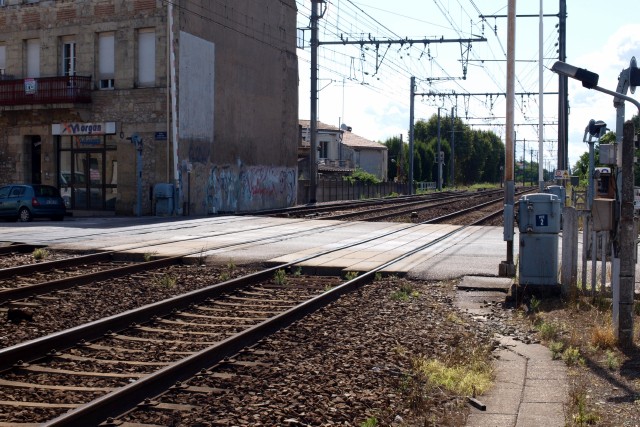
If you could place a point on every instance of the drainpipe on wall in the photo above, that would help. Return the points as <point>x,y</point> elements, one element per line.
<point>168,109</point>
<point>174,114</point>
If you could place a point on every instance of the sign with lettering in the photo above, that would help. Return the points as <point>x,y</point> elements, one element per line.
<point>82,129</point>
<point>542,220</point>
<point>30,86</point>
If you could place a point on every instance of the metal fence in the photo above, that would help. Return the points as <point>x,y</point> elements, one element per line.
<point>339,189</point>
<point>46,90</point>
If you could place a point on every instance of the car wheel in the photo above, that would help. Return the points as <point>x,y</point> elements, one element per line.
<point>24,215</point>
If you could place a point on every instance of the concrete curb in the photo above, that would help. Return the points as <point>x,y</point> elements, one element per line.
<point>531,389</point>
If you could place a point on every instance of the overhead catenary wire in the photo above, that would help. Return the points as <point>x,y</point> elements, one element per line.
<point>356,21</point>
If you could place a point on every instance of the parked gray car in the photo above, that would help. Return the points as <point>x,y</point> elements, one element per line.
<point>24,202</point>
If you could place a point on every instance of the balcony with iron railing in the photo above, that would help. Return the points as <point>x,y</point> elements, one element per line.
<point>45,90</point>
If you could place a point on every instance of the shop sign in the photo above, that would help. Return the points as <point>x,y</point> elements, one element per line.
<point>82,128</point>
<point>76,128</point>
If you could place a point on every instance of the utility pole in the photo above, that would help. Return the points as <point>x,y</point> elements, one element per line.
<point>411,128</point>
<point>541,101</point>
<point>524,157</point>
<point>453,147</point>
<point>563,102</point>
<point>531,167</point>
<point>563,106</point>
<point>439,159</point>
<point>313,126</point>
<point>507,268</point>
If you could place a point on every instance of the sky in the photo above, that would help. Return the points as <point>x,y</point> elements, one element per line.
<point>368,87</point>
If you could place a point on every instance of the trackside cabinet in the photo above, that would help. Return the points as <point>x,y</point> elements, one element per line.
<point>559,191</point>
<point>163,196</point>
<point>539,224</point>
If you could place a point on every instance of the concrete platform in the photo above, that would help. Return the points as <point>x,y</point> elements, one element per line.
<point>247,239</point>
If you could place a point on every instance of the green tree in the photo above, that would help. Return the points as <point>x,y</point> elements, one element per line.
<point>478,154</point>
<point>396,159</point>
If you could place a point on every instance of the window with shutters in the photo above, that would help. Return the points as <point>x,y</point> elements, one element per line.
<point>68,57</point>
<point>146,57</point>
<point>3,60</point>
<point>33,58</point>
<point>106,60</point>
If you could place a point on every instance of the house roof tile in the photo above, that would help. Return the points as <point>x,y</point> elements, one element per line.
<point>352,140</point>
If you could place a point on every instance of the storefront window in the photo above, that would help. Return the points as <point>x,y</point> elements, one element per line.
<point>87,172</point>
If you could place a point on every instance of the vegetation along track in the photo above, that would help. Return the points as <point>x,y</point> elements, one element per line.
<point>132,355</point>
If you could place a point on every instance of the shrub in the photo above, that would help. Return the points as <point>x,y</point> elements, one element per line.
<point>602,337</point>
<point>40,254</point>
<point>362,176</point>
<point>280,277</point>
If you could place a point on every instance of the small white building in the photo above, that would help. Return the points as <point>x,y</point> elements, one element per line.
<point>341,152</point>
<point>370,156</point>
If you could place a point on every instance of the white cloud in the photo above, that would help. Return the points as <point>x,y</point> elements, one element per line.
<point>608,61</point>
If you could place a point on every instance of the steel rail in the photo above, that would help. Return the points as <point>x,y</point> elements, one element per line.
<point>405,211</point>
<point>332,206</point>
<point>39,347</point>
<point>463,211</point>
<point>127,397</point>
<point>488,217</point>
<point>23,270</point>
<point>460,212</point>
<point>28,291</point>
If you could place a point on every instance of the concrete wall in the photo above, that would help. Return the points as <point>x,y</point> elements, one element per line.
<point>255,108</point>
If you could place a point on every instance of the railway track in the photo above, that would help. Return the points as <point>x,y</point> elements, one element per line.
<point>425,211</point>
<point>126,358</point>
<point>431,208</point>
<point>484,213</point>
<point>248,299</point>
<point>331,208</point>
<point>27,281</point>
<point>394,209</point>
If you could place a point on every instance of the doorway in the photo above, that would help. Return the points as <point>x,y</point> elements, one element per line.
<point>35,143</point>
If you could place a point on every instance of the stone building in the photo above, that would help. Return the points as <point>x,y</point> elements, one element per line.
<point>151,107</point>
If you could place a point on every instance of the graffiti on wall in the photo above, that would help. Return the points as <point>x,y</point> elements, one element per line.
<point>241,189</point>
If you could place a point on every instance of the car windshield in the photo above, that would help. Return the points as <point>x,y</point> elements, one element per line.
<point>45,191</point>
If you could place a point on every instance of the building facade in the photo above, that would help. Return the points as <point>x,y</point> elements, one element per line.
<point>130,106</point>
<point>340,151</point>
